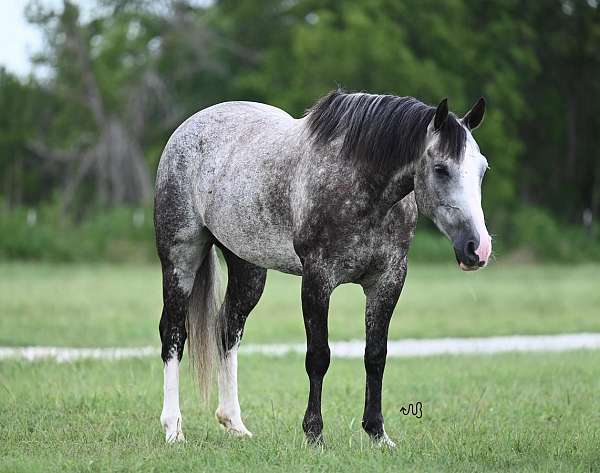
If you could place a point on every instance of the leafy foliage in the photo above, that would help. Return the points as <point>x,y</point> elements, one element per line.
<point>122,76</point>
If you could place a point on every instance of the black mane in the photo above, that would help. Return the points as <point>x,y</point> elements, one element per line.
<point>384,130</point>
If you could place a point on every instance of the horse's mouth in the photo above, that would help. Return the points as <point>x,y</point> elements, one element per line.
<point>464,267</point>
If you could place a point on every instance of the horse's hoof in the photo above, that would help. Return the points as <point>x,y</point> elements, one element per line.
<point>384,441</point>
<point>240,431</point>
<point>175,437</point>
<point>234,427</point>
<point>172,426</point>
<point>315,441</point>
<point>237,431</point>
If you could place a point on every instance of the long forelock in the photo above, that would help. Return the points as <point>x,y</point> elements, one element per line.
<point>452,138</point>
<point>384,131</point>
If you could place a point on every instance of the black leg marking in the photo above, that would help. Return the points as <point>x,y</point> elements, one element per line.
<point>245,285</point>
<point>315,306</point>
<point>172,329</point>
<point>381,300</point>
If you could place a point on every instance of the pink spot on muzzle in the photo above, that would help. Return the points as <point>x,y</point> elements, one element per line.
<point>485,248</point>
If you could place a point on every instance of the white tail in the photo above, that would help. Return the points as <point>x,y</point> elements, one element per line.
<point>204,326</point>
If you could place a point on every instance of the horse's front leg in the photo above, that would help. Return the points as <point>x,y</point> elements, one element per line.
<point>382,295</point>
<point>316,291</point>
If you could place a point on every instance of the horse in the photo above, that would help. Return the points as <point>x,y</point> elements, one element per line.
<point>332,197</point>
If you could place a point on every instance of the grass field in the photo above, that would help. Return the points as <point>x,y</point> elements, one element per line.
<point>501,413</point>
<point>101,305</point>
<point>514,412</point>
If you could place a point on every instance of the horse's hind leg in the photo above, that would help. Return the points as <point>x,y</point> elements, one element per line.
<point>180,259</point>
<point>244,287</point>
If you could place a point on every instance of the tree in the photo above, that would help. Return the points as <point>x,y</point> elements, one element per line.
<point>106,150</point>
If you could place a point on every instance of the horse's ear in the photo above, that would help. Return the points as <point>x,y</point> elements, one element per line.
<point>441,115</point>
<point>474,117</point>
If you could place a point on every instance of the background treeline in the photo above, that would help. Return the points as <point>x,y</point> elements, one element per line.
<point>80,142</point>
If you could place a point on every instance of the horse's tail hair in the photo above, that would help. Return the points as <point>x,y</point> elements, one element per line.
<point>205,327</point>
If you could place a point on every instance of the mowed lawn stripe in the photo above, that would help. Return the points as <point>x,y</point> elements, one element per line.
<point>349,349</point>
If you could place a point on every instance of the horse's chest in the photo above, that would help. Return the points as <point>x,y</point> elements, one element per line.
<point>375,243</point>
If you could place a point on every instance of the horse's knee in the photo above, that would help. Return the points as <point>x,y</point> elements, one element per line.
<point>375,358</point>
<point>317,360</point>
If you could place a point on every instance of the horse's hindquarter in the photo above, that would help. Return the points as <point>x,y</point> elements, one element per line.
<point>244,179</point>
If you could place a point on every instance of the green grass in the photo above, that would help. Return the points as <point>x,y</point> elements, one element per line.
<point>513,412</point>
<point>104,305</point>
<point>501,413</point>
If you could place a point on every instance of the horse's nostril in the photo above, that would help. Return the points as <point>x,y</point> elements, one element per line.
<point>470,256</point>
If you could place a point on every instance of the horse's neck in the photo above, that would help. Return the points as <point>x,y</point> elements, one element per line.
<point>398,186</point>
<point>390,187</point>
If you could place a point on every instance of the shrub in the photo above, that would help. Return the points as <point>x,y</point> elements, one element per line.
<point>126,234</point>
<point>40,234</point>
<point>536,230</point>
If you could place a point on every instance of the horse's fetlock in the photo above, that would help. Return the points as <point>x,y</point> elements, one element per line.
<point>373,426</point>
<point>312,425</point>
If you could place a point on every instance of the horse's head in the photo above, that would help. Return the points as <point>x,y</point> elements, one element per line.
<point>448,184</point>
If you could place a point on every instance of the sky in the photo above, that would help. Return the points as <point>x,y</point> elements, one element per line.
<point>18,39</point>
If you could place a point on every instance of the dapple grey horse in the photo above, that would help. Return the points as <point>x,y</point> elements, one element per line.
<point>332,197</point>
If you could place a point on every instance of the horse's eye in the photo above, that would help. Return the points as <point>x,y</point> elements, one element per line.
<point>441,170</point>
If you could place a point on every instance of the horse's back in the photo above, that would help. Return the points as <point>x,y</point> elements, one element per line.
<point>231,165</point>
<point>219,127</point>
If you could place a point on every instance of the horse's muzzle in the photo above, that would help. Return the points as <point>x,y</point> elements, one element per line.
<point>470,254</point>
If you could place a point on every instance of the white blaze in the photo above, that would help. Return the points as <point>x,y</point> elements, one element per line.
<point>472,170</point>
